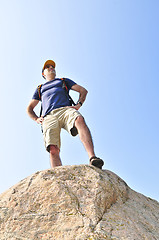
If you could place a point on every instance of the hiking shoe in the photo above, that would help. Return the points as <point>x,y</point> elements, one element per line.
<point>97,162</point>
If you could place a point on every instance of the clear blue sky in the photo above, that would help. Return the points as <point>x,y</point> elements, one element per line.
<point>111,47</point>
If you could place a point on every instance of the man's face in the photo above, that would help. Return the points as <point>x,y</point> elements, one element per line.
<point>49,72</point>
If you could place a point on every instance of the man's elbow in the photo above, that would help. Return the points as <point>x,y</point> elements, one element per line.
<point>29,109</point>
<point>85,91</point>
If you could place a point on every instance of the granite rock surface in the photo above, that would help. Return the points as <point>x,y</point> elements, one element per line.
<point>76,203</point>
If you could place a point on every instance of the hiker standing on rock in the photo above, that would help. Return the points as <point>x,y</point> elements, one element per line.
<point>58,112</point>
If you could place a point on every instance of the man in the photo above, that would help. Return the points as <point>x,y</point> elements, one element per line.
<point>57,113</point>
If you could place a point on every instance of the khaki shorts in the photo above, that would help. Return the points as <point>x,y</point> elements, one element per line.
<point>63,117</point>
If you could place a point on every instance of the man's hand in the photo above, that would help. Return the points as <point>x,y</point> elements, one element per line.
<point>77,106</point>
<point>40,120</point>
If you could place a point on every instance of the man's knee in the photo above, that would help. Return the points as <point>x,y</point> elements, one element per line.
<point>54,150</point>
<point>79,121</point>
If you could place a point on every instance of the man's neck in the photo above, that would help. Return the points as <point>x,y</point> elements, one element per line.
<point>50,79</point>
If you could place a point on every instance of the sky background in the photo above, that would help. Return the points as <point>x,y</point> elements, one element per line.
<point>111,47</point>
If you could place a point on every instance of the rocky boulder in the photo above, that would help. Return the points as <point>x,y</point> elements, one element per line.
<point>76,203</point>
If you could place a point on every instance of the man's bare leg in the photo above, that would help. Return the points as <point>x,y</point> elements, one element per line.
<point>85,136</point>
<point>87,141</point>
<point>55,160</point>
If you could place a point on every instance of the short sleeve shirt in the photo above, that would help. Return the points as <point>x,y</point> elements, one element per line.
<point>53,95</point>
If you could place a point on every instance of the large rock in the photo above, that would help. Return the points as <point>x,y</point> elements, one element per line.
<point>76,203</point>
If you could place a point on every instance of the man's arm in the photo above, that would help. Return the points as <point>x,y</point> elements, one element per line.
<point>83,93</point>
<point>31,113</point>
